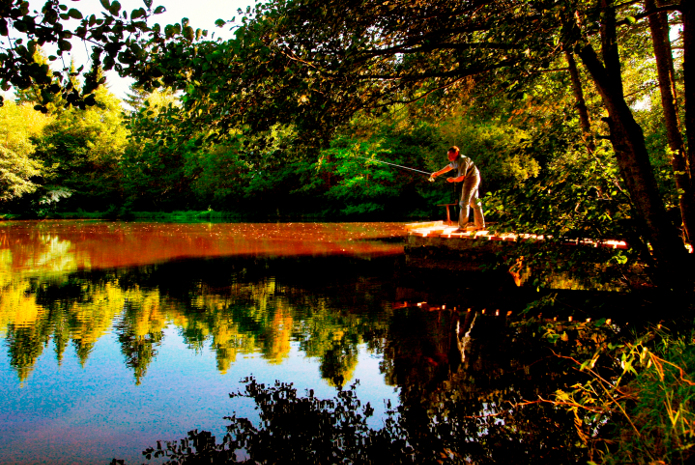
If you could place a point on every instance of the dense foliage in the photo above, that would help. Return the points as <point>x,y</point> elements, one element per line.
<point>18,124</point>
<point>113,37</point>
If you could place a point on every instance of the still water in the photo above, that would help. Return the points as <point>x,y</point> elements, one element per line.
<point>117,335</point>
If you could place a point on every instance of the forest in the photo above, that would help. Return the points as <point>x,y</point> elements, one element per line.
<point>578,113</point>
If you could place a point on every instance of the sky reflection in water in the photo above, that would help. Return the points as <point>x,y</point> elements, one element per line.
<point>116,335</point>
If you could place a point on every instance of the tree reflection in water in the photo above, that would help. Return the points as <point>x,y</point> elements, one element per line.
<point>138,341</point>
<point>467,396</point>
<point>240,311</point>
<point>304,429</point>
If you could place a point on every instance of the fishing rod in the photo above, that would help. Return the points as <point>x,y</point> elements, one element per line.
<point>429,175</point>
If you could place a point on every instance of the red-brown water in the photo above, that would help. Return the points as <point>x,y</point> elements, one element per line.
<point>69,245</point>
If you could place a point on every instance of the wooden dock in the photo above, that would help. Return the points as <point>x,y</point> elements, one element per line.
<point>442,231</point>
<point>488,255</point>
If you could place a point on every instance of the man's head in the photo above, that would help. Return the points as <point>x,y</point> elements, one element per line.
<point>453,153</point>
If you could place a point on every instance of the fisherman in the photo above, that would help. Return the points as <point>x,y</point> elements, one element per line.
<point>470,176</point>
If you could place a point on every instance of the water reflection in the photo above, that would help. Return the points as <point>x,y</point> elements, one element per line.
<point>109,328</point>
<point>470,388</point>
<point>232,313</point>
<point>115,335</point>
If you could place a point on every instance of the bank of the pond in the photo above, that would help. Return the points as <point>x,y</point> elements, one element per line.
<point>121,214</point>
<point>201,215</point>
<point>539,261</point>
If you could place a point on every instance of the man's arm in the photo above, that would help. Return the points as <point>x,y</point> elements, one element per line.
<point>446,169</point>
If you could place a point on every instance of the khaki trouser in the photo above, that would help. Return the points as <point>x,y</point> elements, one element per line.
<point>469,198</point>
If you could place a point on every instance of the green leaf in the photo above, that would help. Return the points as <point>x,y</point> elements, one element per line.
<point>159,10</point>
<point>115,8</point>
<point>76,14</point>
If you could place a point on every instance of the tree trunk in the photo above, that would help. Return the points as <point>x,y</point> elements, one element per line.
<point>581,103</point>
<point>658,24</point>
<point>688,12</point>
<point>631,153</point>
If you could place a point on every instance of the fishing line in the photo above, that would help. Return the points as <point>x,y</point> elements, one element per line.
<point>429,175</point>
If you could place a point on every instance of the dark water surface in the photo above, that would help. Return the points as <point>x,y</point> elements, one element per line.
<point>117,335</point>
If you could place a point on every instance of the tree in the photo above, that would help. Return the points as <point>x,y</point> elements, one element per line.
<point>315,64</point>
<point>153,169</point>
<point>84,148</point>
<point>18,166</point>
<point>627,138</point>
<point>114,39</point>
<point>659,27</point>
<point>35,95</point>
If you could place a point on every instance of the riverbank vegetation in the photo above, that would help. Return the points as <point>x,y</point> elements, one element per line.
<point>579,115</point>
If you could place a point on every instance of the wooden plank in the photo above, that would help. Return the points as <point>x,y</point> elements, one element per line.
<point>439,229</point>
<point>424,224</point>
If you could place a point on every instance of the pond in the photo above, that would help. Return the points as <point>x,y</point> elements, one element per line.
<point>117,335</point>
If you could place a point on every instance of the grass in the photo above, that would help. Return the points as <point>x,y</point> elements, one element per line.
<point>182,216</point>
<point>185,216</point>
<point>641,411</point>
<point>112,214</point>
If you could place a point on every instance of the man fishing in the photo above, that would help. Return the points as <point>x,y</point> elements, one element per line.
<point>470,176</point>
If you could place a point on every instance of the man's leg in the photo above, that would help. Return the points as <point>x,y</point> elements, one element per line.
<point>477,211</point>
<point>470,188</point>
